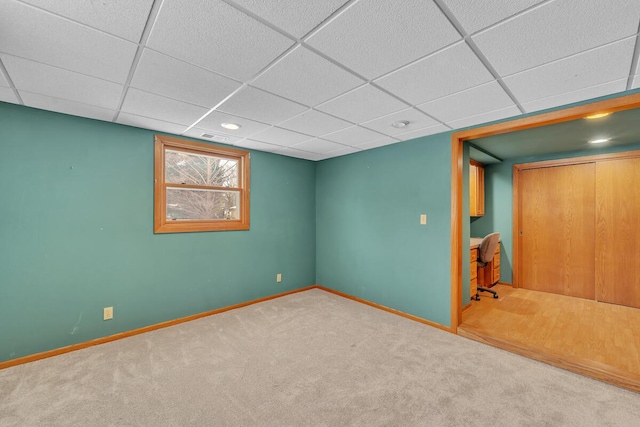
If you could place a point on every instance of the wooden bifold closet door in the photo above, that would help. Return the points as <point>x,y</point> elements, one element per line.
<point>557,215</point>
<point>617,236</point>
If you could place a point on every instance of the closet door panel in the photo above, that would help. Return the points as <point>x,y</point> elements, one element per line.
<point>618,232</point>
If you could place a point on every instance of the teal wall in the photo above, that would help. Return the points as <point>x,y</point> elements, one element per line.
<point>76,235</point>
<point>499,201</point>
<point>370,243</point>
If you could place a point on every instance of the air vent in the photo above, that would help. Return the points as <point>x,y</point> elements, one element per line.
<point>217,137</point>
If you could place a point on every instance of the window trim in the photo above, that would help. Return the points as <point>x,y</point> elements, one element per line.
<point>161,225</point>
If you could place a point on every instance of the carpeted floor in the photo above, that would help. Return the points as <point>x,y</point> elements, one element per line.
<point>307,359</point>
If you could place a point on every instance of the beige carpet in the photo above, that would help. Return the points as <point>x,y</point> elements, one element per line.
<point>308,359</point>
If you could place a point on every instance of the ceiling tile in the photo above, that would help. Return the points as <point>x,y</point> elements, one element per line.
<point>485,117</point>
<point>160,108</point>
<point>314,123</point>
<point>449,71</point>
<point>67,107</point>
<point>343,151</point>
<point>259,105</point>
<point>218,136</point>
<point>121,18</point>
<point>354,136</point>
<point>292,152</point>
<point>7,95</point>
<point>576,95</point>
<point>257,145</point>
<point>430,130</point>
<point>471,102</point>
<point>296,17</point>
<point>283,137</point>
<point>147,123</point>
<point>247,127</point>
<point>476,15</point>
<point>379,143</point>
<point>361,104</point>
<point>318,145</point>
<point>307,78</point>
<point>163,75</point>
<point>587,69</point>
<point>636,82</point>
<point>3,80</point>
<point>58,83</point>
<point>216,36</point>
<point>417,120</point>
<point>40,36</point>
<point>377,36</point>
<point>555,30</point>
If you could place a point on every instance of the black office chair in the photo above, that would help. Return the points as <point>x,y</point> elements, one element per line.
<point>486,251</point>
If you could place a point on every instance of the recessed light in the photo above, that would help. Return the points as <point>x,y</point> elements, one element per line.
<point>231,126</point>
<point>218,137</point>
<point>597,116</point>
<point>400,124</point>
<point>599,141</point>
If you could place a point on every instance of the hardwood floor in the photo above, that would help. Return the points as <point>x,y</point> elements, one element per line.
<point>588,337</point>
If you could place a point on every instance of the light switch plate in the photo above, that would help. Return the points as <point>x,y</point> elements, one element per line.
<point>423,219</point>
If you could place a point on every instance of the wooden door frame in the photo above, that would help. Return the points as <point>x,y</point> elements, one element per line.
<point>457,140</point>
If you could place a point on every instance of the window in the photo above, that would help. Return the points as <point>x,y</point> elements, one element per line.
<point>199,187</point>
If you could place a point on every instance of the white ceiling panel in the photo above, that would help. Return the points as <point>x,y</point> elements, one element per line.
<point>296,17</point>
<point>354,136</point>
<point>58,83</point>
<point>373,37</point>
<point>416,119</point>
<point>430,130</point>
<point>216,36</point>
<point>587,69</point>
<point>67,107</point>
<point>217,136</point>
<point>485,117</point>
<point>378,143</point>
<point>7,95</point>
<point>148,123</point>
<point>471,102</point>
<point>476,15</point>
<point>247,127</point>
<point>361,104</point>
<point>446,72</point>
<point>262,106</point>
<point>344,151</point>
<point>257,145</point>
<point>160,108</point>
<point>314,123</point>
<point>576,96</point>
<point>636,82</point>
<point>283,137</point>
<point>123,18</point>
<point>40,36</point>
<point>555,30</point>
<point>170,77</point>
<point>318,145</point>
<point>3,80</point>
<point>292,152</point>
<point>307,78</point>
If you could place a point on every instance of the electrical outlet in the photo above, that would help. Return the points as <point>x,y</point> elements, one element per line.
<point>279,277</point>
<point>423,219</point>
<point>108,313</point>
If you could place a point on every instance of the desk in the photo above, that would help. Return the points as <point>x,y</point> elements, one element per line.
<point>483,276</point>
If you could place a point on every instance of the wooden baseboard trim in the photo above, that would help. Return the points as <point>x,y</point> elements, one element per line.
<point>588,368</point>
<point>467,307</point>
<point>126,334</point>
<point>390,310</point>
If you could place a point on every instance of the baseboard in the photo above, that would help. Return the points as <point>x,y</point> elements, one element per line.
<point>121,335</point>
<point>390,310</point>
<point>588,368</point>
<point>467,307</point>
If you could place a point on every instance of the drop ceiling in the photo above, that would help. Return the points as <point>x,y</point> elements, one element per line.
<point>313,79</point>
